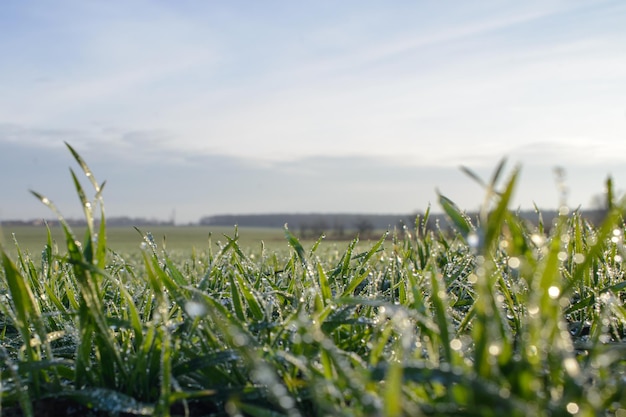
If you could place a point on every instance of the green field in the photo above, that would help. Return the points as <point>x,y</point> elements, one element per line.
<point>172,238</point>
<point>497,317</point>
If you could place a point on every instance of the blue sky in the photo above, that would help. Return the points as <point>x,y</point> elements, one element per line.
<point>352,106</point>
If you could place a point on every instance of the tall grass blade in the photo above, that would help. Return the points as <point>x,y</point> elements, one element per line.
<point>459,220</point>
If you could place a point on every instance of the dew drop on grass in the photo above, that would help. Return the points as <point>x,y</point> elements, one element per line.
<point>533,310</point>
<point>538,239</point>
<point>473,240</point>
<point>455,344</point>
<point>571,366</point>
<point>195,308</point>
<point>240,339</point>
<point>572,408</point>
<point>514,263</point>
<point>578,258</point>
<point>554,292</point>
<point>494,349</point>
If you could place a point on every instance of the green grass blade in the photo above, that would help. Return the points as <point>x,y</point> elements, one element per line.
<point>296,245</point>
<point>251,300</point>
<point>459,220</point>
<point>324,284</point>
<point>236,299</point>
<point>438,299</point>
<point>84,167</point>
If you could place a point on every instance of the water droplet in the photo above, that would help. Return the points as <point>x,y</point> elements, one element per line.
<point>473,240</point>
<point>494,349</point>
<point>45,200</point>
<point>195,308</point>
<point>240,339</point>
<point>514,263</point>
<point>538,239</point>
<point>571,366</point>
<point>455,344</point>
<point>578,258</point>
<point>286,402</point>
<point>562,256</point>
<point>572,408</point>
<point>554,292</point>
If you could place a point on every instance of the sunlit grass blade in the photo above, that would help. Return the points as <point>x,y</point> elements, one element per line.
<point>296,245</point>
<point>459,219</point>
<point>438,299</point>
<point>326,292</point>
<point>253,304</point>
<point>498,216</point>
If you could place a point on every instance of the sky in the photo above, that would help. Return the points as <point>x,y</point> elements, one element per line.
<point>193,108</point>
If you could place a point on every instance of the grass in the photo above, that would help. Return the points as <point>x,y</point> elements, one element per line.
<point>125,239</point>
<point>496,318</point>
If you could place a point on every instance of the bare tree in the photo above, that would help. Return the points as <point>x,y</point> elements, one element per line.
<point>364,227</point>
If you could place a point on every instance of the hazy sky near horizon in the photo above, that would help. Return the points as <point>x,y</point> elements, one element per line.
<point>354,106</point>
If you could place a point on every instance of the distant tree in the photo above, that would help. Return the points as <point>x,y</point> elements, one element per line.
<point>364,227</point>
<point>318,227</point>
<point>303,230</point>
<point>339,230</point>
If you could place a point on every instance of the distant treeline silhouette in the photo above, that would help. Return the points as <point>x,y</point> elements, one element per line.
<point>314,224</point>
<point>343,225</point>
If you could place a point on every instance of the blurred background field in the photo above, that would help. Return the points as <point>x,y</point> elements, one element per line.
<point>125,239</point>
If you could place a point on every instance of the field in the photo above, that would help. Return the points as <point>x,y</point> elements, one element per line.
<point>126,239</point>
<point>496,318</point>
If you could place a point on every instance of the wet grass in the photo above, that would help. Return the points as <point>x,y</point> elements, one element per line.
<point>496,318</point>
